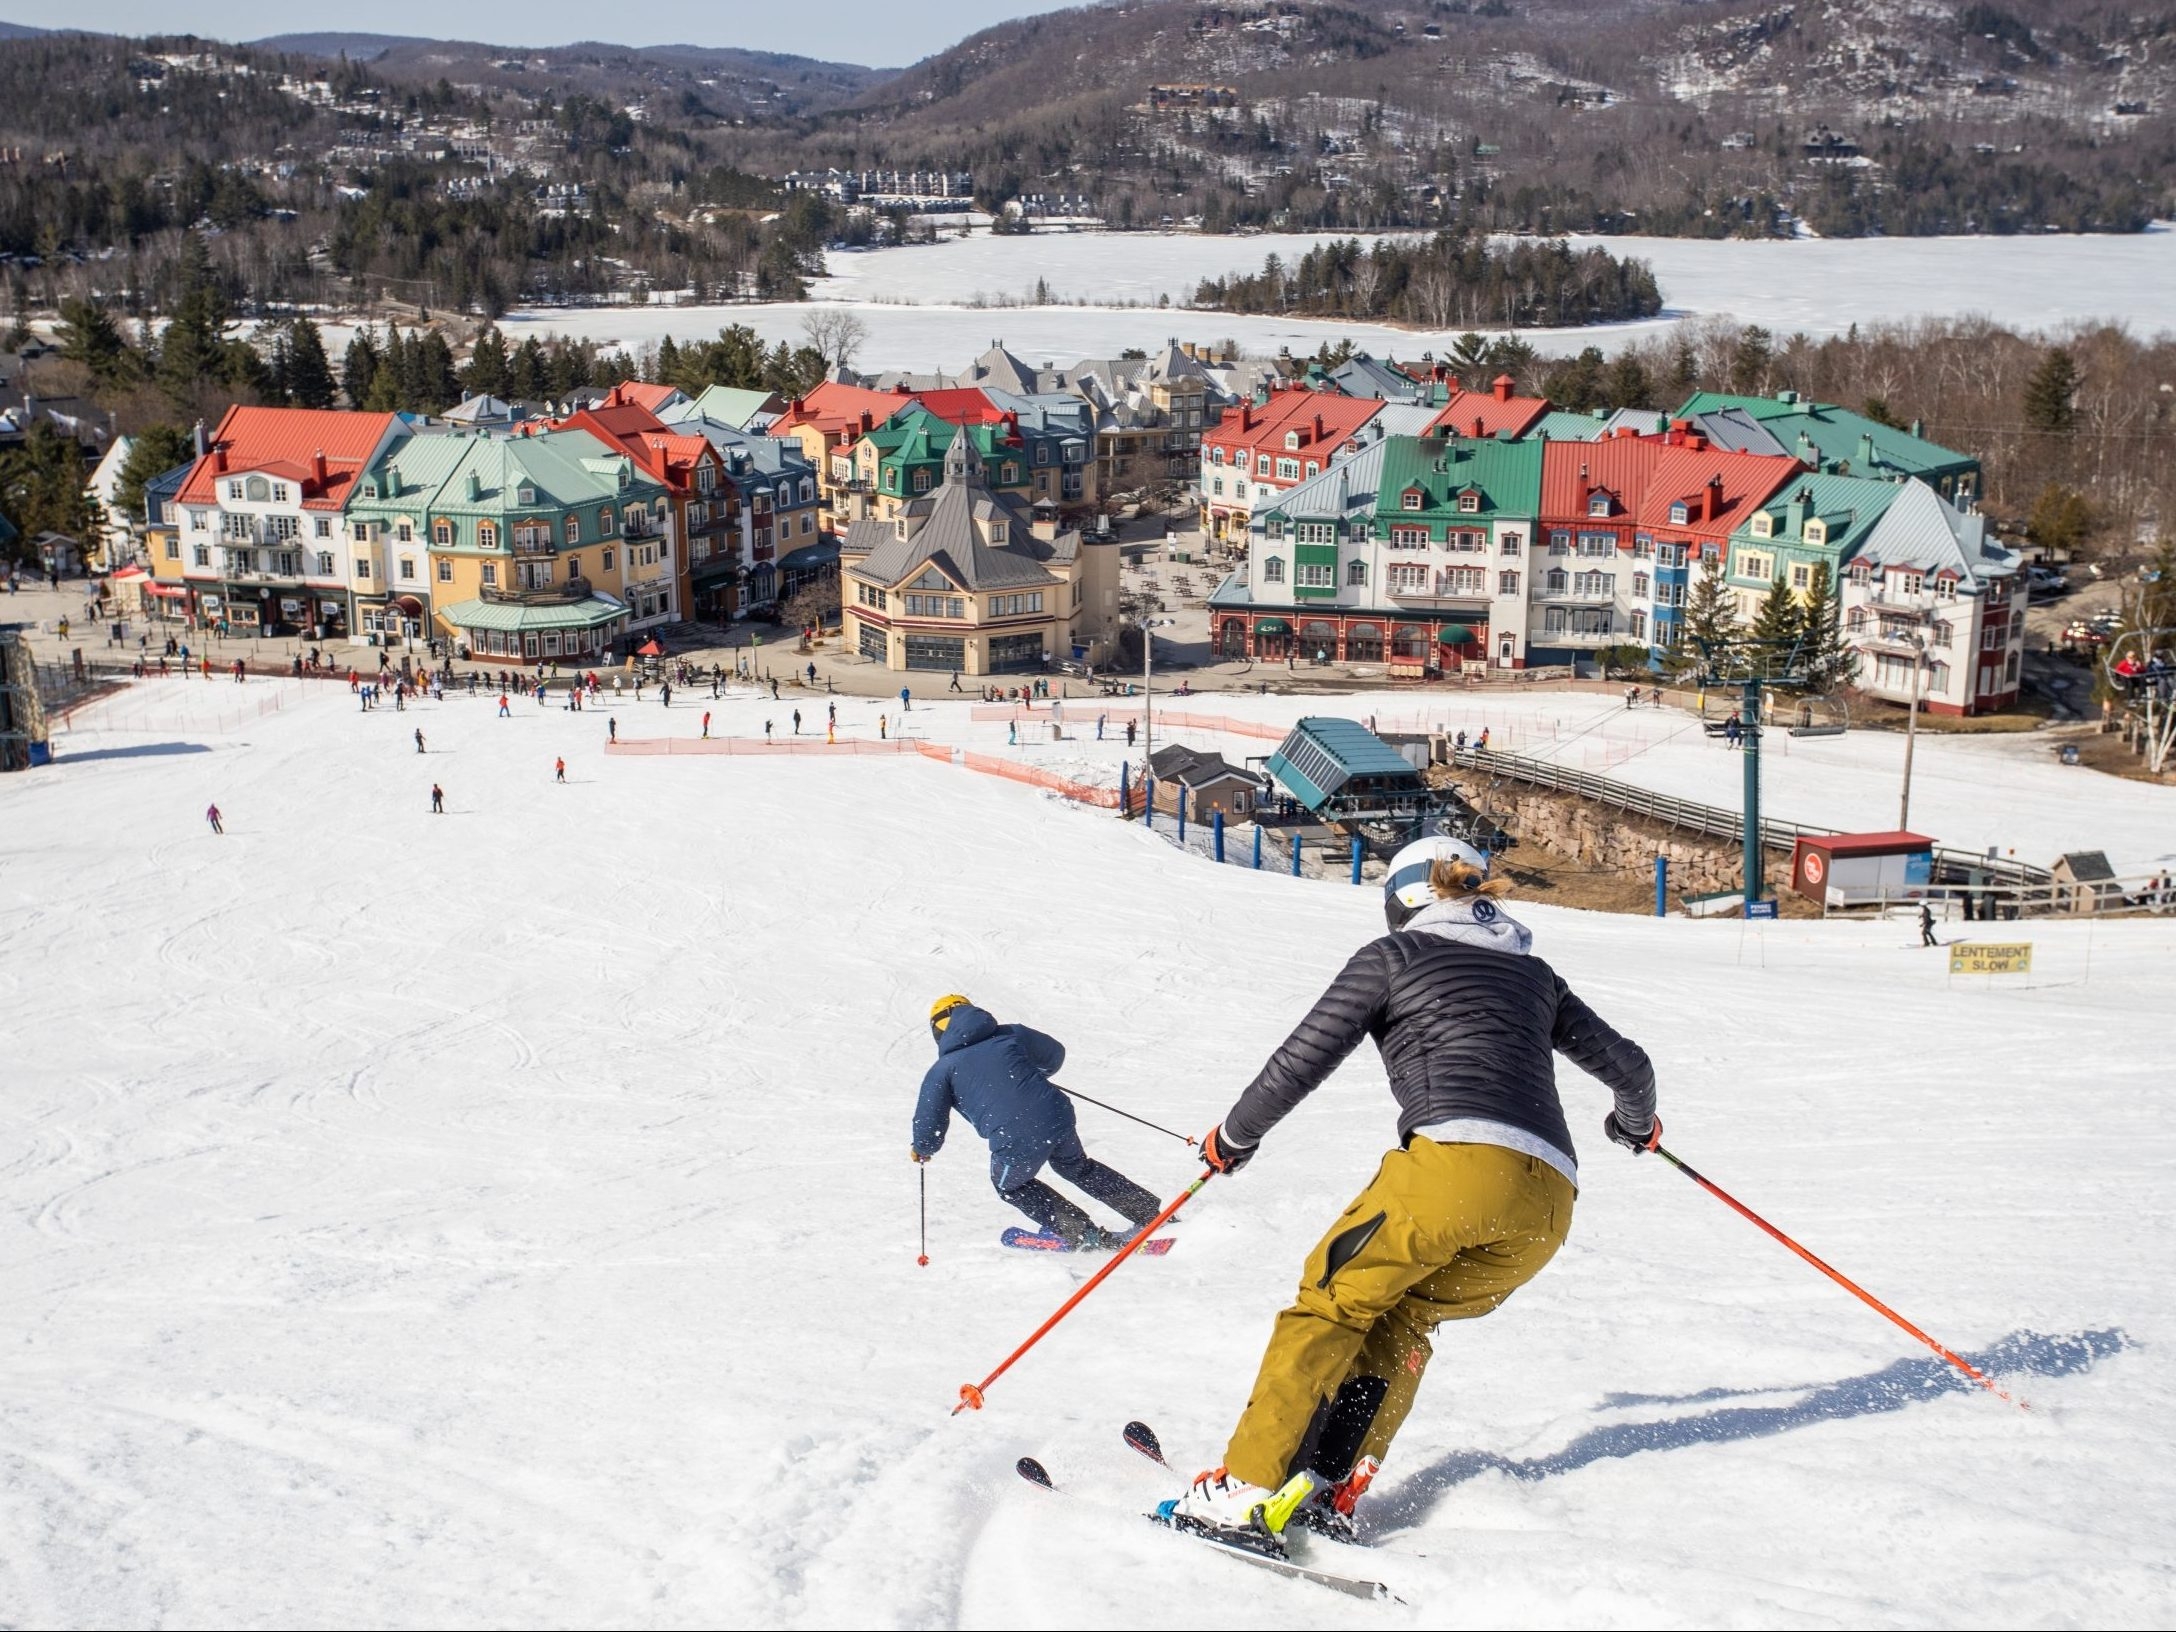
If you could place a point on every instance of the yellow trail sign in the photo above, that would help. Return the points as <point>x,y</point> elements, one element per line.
<point>1990,958</point>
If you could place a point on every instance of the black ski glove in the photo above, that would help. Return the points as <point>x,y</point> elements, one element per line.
<point>1224,1158</point>
<point>1638,1142</point>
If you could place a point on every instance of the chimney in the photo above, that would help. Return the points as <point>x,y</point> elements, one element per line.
<point>868,422</point>
<point>317,468</point>
<point>1501,385</point>
<point>1919,427</point>
<point>1866,452</point>
<point>1318,428</point>
<point>475,487</point>
<point>197,435</point>
<point>1715,496</point>
<point>219,457</point>
<point>1794,514</point>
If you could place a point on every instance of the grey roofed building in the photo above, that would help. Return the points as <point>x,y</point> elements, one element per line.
<point>1361,375</point>
<point>979,539</point>
<point>1737,431</point>
<point>1394,419</point>
<point>1920,530</point>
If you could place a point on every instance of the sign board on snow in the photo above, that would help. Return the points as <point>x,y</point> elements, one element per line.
<point>1990,958</point>
<point>1760,909</point>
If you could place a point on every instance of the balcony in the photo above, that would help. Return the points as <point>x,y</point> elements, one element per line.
<point>574,589</point>
<point>1439,592</point>
<point>534,544</point>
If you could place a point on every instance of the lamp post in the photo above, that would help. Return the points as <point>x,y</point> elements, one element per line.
<point>1918,645</point>
<point>1149,626</point>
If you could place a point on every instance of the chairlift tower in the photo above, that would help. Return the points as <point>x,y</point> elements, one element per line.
<point>1752,666</point>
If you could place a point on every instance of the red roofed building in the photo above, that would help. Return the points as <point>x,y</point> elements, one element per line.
<point>1494,412</point>
<point>1593,573</point>
<point>959,405</point>
<point>1259,449</point>
<point>1696,495</point>
<point>705,567</point>
<point>263,541</point>
<point>642,394</point>
<point>828,422</point>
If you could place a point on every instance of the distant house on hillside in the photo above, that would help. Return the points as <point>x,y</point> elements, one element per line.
<point>1207,783</point>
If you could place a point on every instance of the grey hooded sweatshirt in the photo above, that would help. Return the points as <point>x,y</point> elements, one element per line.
<point>1467,1020</point>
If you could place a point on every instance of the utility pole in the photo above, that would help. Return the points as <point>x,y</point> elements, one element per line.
<point>1911,733</point>
<point>1756,881</point>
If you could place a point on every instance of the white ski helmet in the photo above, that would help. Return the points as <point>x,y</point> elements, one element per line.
<point>1405,890</point>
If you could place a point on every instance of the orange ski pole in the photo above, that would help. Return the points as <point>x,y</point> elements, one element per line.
<point>1841,1279</point>
<point>971,1393</point>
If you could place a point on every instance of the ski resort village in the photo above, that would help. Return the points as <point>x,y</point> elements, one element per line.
<point>796,845</point>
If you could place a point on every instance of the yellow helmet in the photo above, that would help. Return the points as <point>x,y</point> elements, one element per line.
<point>940,1012</point>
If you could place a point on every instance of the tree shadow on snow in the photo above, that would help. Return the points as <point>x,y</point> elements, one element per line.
<point>140,751</point>
<point>1895,1386</point>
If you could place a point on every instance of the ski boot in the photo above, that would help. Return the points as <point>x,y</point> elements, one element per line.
<point>1328,1512</point>
<point>1236,1513</point>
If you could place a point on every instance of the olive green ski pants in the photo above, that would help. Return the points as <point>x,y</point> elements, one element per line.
<point>1442,1232</point>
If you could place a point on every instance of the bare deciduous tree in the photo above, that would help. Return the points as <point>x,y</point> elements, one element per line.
<point>836,334</point>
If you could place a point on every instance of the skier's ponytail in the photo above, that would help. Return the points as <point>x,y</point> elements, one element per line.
<point>1453,878</point>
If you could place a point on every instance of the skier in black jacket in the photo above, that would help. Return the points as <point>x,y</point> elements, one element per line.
<point>1476,1199</point>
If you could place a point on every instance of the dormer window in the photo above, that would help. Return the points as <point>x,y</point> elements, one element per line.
<point>1764,525</point>
<point>1598,504</point>
<point>997,532</point>
<point>1292,441</point>
<point>1816,530</point>
<point>1411,498</point>
<point>1469,504</point>
<point>1680,513</point>
<point>525,495</point>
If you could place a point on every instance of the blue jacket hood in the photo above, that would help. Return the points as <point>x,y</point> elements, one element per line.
<point>967,1027</point>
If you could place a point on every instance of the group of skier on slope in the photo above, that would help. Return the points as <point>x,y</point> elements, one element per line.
<point>1472,1203</point>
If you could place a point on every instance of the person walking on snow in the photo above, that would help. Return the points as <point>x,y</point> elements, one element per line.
<point>611,728</point>
<point>419,739</point>
<point>998,1078</point>
<point>1471,1205</point>
<point>797,722</point>
<point>505,713</point>
<point>559,770</point>
<point>211,815</point>
<point>1926,926</point>
<point>438,800</point>
<point>706,725</point>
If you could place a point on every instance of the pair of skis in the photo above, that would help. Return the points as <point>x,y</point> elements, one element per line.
<point>1030,1241</point>
<point>1142,1438</point>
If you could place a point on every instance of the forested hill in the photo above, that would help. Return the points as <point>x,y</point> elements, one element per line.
<point>1547,115</point>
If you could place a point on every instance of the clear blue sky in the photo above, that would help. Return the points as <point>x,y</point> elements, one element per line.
<point>881,33</point>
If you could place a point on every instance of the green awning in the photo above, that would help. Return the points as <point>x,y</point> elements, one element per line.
<point>1272,626</point>
<point>592,612</point>
<point>1455,634</point>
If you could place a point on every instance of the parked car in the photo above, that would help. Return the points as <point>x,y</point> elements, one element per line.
<point>761,612</point>
<point>2046,580</point>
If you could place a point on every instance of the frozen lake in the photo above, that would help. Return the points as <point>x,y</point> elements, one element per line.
<point>937,305</point>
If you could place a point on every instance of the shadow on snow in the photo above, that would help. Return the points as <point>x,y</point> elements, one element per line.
<point>1895,1386</point>
<point>141,751</point>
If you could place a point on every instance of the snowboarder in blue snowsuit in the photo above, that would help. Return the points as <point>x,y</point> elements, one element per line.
<point>998,1078</point>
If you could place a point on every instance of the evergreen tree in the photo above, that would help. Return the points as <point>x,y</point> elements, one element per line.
<point>388,393</point>
<point>153,451</point>
<point>1576,384</point>
<point>667,370</point>
<point>526,374</point>
<point>1776,631</point>
<point>1684,372</point>
<point>438,386</point>
<point>359,367</point>
<point>193,352</point>
<point>486,373</point>
<point>309,372</point>
<point>1824,657</point>
<point>1710,623</point>
<point>1751,358</point>
<point>2051,395</point>
<point>275,373</point>
<point>90,337</point>
<point>1626,385</point>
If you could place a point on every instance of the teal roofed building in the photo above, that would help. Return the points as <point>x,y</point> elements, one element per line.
<point>1843,442</point>
<point>1812,519</point>
<point>549,545</point>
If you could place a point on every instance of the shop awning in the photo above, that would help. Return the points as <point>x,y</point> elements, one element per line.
<point>168,592</point>
<point>1455,634</point>
<point>514,616</point>
<point>1272,626</point>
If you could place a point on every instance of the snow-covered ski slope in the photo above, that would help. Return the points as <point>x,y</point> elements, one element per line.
<point>505,1217</point>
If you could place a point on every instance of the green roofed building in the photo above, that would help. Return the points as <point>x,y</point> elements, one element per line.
<point>1341,771</point>
<point>1812,518</point>
<point>548,545</point>
<point>1412,553</point>
<point>1845,443</point>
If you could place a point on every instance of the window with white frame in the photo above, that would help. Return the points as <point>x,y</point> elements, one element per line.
<point>408,569</point>
<point>324,563</point>
<point>1412,499</point>
<point>1288,470</point>
<point>1356,574</point>
<point>1641,585</point>
<point>1507,583</point>
<point>1315,575</point>
<point>1594,583</point>
<point>1261,464</point>
<point>362,569</point>
<point>1408,577</point>
<point>1469,504</point>
<point>1509,544</point>
<point>1273,569</point>
<point>1409,538</point>
<point>1597,546</point>
<point>1465,581</point>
